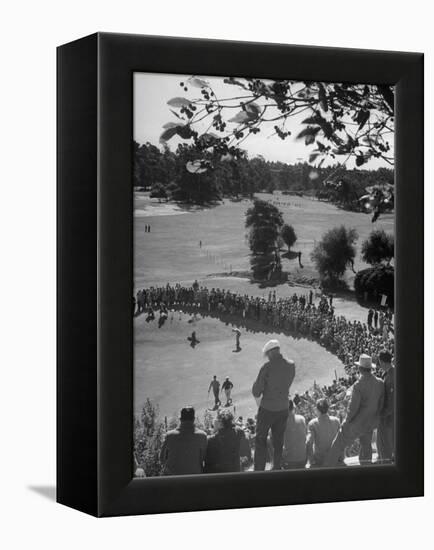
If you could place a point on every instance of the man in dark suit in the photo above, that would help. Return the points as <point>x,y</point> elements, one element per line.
<point>183,450</point>
<point>386,427</point>
<point>271,390</point>
<point>362,417</point>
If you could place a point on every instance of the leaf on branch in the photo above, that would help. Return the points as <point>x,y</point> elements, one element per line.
<point>179,102</point>
<point>197,166</point>
<point>309,139</point>
<point>198,82</point>
<point>322,97</point>
<point>240,118</point>
<point>168,134</point>
<point>313,156</point>
<point>309,134</point>
<point>253,110</point>
<point>171,125</point>
<point>314,119</point>
<point>207,140</point>
<point>175,113</point>
<point>360,159</point>
<point>362,118</point>
<point>235,82</point>
<point>171,129</point>
<point>227,157</point>
<point>388,96</point>
<point>184,131</point>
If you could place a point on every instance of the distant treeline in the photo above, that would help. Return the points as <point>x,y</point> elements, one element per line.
<point>165,174</point>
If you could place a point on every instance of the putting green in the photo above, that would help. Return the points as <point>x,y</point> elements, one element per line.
<point>173,374</point>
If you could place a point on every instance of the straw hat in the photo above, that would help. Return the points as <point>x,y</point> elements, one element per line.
<point>365,362</point>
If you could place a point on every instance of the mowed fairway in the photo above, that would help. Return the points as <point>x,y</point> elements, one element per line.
<point>167,369</point>
<point>170,252</point>
<point>174,374</point>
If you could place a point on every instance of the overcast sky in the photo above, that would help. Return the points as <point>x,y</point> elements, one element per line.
<point>152,91</point>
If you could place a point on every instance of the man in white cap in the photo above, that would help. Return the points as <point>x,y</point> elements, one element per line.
<point>272,386</point>
<point>362,416</point>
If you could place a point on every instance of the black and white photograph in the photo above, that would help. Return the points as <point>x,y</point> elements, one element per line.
<point>263,276</point>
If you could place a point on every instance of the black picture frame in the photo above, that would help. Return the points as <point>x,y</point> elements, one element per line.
<point>95,259</point>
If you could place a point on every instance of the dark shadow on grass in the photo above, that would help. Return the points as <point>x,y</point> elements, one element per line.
<point>47,491</point>
<point>248,324</point>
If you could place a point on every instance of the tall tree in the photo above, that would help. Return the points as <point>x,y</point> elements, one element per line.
<point>288,235</point>
<point>263,222</point>
<point>334,253</point>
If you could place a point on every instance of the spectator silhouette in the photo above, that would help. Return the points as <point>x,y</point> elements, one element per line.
<point>183,450</point>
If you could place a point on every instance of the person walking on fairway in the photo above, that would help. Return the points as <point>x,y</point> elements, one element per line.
<point>272,387</point>
<point>227,387</point>
<point>237,338</point>
<point>215,386</point>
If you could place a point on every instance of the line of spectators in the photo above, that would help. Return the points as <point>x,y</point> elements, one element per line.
<point>297,315</point>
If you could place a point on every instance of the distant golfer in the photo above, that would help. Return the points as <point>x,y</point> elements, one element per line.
<point>272,386</point>
<point>237,338</point>
<point>215,387</point>
<point>227,387</point>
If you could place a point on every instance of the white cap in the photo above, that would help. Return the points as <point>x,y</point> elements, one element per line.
<point>271,344</point>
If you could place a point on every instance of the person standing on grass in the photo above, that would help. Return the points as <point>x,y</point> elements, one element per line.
<point>363,415</point>
<point>321,433</point>
<point>271,387</point>
<point>386,426</point>
<point>227,387</point>
<point>183,451</point>
<point>215,387</point>
<point>237,338</point>
<point>294,440</point>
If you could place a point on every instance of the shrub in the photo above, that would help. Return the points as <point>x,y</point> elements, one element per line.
<point>379,247</point>
<point>334,252</point>
<point>288,235</point>
<point>375,281</point>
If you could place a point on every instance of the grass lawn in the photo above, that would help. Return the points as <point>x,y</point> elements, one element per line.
<point>174,374</point>
<point>167,370</point>
<point>170,252</point>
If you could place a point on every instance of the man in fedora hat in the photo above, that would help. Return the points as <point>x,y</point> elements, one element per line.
<point>386,426</point>
<point>271,387</point>
<point>362,416</point>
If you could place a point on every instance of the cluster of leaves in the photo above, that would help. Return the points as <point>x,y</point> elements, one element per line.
<point>379,247</point>
<point>148,439</point>
<point>350,120</point>
<point>334,253</point>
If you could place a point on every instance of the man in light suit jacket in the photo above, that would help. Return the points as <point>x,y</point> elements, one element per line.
<point>362,417</point>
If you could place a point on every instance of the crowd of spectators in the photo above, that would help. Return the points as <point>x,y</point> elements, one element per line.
<point>298,316</point>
